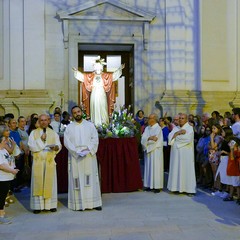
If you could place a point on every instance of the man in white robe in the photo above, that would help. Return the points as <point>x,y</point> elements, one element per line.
<point>44,144</point>
<point>152,142</point>
<point>81,140</point>
<point>182,171</point>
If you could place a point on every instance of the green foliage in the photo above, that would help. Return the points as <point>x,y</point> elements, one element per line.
<point>121,125</point>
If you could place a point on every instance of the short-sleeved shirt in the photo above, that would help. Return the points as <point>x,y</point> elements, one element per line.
<point>16,136</point>
<point>5,158</point>
<point>24,136</point>
<point>236,129</point>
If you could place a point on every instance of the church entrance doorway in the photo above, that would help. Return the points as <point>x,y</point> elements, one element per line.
<point>125,88</point>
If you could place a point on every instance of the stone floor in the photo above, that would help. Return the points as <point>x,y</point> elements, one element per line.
<point>128,216</point>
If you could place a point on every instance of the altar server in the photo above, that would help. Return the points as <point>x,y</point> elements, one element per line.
<point>44,144</point>
<point>152,142</point>
<point>182,171</point>
<point>81,140</point>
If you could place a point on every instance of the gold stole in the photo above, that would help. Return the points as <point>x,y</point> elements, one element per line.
<point>43,178</point>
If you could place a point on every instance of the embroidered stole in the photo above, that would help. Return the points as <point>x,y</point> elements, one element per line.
<point>43,178</point>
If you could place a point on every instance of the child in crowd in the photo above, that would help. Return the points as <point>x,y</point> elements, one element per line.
<point>233,169</point>
<point>214,151</point>
<point>227,135</point>
<point>205,176</point>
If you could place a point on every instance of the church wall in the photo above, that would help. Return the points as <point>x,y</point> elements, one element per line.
<point>35,62</point>
<point>220,53</point>
<point>174,83</point>
<point>22,82</point>
<point>34,57</point>
<point>16,44</point>
<point>218,48</point>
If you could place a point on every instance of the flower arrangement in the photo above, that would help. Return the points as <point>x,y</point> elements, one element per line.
<point>120,126</point>
<point>83,108</point>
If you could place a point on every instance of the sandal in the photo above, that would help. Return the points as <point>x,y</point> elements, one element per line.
<point>228,199</point>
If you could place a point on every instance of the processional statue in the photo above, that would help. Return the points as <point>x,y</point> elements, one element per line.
<point>98,91</point>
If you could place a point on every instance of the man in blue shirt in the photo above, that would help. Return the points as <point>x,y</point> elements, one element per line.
<point>19,159</point>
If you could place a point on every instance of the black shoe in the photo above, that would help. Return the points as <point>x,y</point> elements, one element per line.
<point>98,208</point>
<point>191,194</point>
<point>228,199</point>
<point>156,190</point>
<point>17,190</point>
<point>53,209</point>
<point>36,211</point>
<point>146,189</point>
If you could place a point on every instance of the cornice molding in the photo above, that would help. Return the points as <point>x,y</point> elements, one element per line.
<point>105,10</point>
<point>132,14</point>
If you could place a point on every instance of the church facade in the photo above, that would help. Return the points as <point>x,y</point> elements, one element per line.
<point>184,56</point>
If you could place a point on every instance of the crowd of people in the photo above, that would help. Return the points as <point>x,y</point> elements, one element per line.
<point>192,150</point>
<point>34,145</point>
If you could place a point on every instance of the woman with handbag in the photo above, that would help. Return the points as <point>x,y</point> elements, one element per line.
<point>214,153</point>
<point>13,151</point>
<point>225,180</point>
<point>7,174</point>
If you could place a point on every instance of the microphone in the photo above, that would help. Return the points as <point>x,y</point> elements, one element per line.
<point>44,132</point>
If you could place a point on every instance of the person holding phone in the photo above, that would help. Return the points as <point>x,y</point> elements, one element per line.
<point>7,174</point>
<point>233,170</point>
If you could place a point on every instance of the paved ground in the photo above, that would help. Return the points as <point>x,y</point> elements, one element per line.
<point>125,216</point>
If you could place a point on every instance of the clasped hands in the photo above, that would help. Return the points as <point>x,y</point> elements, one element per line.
<point>83,153</point>
<point>180,132</point>
<point>153,138</point>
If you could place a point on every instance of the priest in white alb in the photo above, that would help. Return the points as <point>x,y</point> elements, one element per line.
<point>152,142</point>
<point>181,176</point>
<point>44,144</point>
<point>81,140</point>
